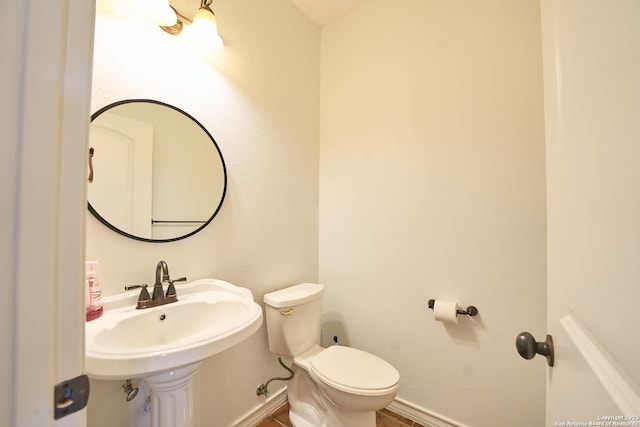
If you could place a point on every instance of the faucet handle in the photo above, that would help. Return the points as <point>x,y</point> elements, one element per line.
<point>144,294</point>
<point>171,290</point>
<point>143,299</point>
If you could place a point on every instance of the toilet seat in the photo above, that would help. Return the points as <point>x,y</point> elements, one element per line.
<point>354,371</point>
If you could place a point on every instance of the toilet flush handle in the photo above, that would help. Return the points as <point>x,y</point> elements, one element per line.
<point>287,312</point>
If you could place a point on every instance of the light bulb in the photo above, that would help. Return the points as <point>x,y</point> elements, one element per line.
<point>204,29</point>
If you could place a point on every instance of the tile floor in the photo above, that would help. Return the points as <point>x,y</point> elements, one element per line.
<point>384,418</point>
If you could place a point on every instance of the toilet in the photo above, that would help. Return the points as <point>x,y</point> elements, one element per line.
<point>332,387</point>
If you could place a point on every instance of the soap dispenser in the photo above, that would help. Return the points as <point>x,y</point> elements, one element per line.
<point>93,292</point>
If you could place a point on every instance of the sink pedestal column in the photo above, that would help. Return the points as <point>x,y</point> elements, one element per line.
<point>172,397</point>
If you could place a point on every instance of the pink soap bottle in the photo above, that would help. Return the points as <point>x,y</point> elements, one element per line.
<point>93,292</point>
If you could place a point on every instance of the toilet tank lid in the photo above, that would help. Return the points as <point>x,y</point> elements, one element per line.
<point>294,295</point>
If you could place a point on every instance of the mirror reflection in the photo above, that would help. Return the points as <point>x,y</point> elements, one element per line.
<point>156,174</point>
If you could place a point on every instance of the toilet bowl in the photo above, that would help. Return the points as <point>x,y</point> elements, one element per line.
<point>333,387</point>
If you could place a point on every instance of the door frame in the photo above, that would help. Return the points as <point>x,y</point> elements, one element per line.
<point>47,51</point>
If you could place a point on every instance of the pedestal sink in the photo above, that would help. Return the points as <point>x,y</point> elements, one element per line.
<point>164,345</point>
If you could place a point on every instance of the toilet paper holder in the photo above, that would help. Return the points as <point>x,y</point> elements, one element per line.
<point>470,311</point>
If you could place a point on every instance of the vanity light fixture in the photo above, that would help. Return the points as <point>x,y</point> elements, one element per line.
<point>204,27</point>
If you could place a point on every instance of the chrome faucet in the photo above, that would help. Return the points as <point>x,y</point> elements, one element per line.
<point>159,297</point>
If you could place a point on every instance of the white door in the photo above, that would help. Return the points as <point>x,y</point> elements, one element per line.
<point>591,52</point>
<point>44,114</point>
<point>122,172</point>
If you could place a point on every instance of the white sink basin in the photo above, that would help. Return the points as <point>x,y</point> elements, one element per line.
<point>209,317</point>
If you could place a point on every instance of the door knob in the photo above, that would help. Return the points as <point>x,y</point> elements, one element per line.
<point>528,347</point>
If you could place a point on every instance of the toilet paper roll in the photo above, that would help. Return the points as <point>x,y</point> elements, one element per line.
<point>446,312</point>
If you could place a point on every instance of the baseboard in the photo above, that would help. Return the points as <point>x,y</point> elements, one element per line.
<point>254,417</point>
<point>421,415</point>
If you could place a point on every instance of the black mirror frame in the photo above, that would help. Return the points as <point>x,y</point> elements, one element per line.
<point>215,144</point>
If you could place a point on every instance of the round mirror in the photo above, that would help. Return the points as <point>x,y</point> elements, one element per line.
<point>155,173</point>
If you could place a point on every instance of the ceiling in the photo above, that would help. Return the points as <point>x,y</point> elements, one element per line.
<point>323,12</point>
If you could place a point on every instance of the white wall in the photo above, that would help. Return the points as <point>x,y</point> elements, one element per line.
<point>259,99</point>
<point>432,186</point>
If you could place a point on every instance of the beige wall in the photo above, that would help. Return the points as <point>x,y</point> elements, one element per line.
<point>432,185</point>
<point>259,99</point>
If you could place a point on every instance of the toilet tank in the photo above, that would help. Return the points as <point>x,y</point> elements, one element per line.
<point>293,318</point>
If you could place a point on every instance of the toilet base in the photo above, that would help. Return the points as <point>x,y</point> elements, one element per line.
<point>341,418</point>
<point>335,419</point>
<point>306,406</point>
<point>298,421</point>
<point>310,407</point>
